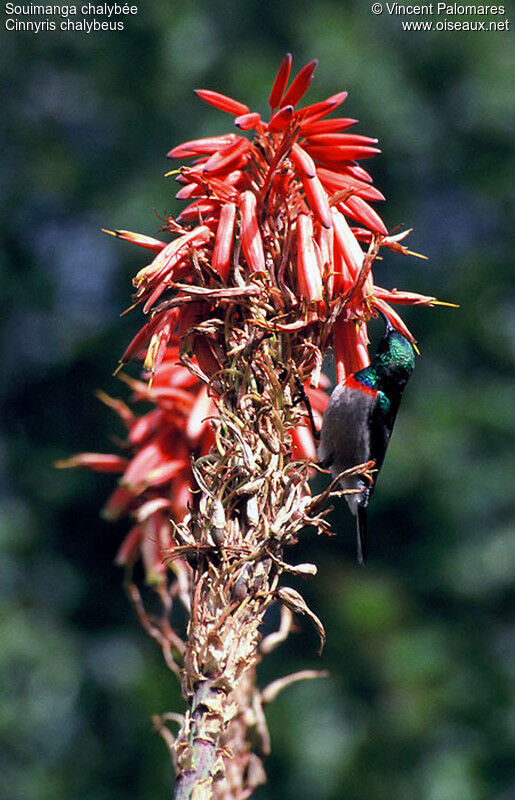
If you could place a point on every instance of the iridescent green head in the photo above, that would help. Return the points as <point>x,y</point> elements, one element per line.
<point>394,360</point>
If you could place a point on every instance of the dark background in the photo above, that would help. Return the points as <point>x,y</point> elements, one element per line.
<point>419,644</point>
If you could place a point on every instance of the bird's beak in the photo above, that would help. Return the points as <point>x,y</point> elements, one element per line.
<point>387,324</point>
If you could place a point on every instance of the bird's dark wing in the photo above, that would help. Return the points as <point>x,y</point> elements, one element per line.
<point>382,418</point>
<point>344,440</point>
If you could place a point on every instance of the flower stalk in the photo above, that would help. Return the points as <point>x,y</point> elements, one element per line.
<point>264,275</point>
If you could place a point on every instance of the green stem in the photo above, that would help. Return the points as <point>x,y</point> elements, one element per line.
<point>202,744</point>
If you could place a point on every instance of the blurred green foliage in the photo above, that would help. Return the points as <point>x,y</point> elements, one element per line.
<point>420,647</point>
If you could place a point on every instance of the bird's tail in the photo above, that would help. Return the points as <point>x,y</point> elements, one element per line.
<point>361,533</point>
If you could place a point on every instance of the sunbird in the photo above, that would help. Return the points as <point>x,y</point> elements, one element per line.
<point>359,420</point>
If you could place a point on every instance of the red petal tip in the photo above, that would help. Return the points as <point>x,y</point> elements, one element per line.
<point>280,119</point>
<point>299,85</point>
<point>246,122</point>
<point>280,82</point>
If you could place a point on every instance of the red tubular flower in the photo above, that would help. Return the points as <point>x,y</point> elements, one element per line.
<point>100,462</point>
<point>350,348</point>
<point>231,156</point>
<point>280,82</point>
<point>314,190</point>
<point>199,147</point>
<point>359,210</point>
<point>312,127</point>
<point>157,481</point>
<point>299,85</point>
<point>281,119</point>
<point>250,234</point>
<point>303,445</point>
<point>347,245</point>
<point>311,114</point>
<point>310,279</point>
<point>137,238</point>
<point>247,122</point>
<point>224,240</point>
<point>222,102</point>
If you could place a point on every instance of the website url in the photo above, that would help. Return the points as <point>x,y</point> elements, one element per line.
<point>456,25</point>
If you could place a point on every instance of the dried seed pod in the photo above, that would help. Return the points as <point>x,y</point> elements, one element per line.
<point>241,584</point>
<point>252,510</point>
<point>296,603</point>
<point>217,521</point>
